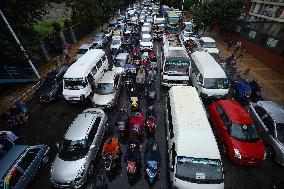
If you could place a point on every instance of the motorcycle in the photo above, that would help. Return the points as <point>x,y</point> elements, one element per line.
<point>109,163</point>
<point>152,159</point>
<point>122,124</point>
<point>133,159</point>
<point>128,82</point>
<point>137,125</point>
<point>255,91</point>
<point>151,94</point>
<point>17,115</point>
<point>151,124</point>
<point>242,92</point>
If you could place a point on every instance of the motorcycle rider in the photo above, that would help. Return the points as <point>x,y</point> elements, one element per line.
<point>140,80</point>
<point>153,56</point>
<point>133,152</point>
<point>111,147</point>
<point>152,152</point>
<point>151,112</point>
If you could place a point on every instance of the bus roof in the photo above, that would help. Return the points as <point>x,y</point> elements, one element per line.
<point>193,133</point>
<point>83,66</point>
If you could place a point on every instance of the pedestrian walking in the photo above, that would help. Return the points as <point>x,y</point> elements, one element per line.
<point>238,46</point>
<point>242,52</point>
<point>65,47</point>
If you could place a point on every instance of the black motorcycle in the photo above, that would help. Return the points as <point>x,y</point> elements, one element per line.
<point>152,159</point>
<point>151,94</point>
<point>255,91</point>
<point>122,123</point>
<point>133,160</point>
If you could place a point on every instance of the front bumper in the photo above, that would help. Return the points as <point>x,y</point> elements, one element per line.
<point>71,184</point>
<point>169,83</point>
<point>142,48</point>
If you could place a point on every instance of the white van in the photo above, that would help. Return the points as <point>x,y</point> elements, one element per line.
<point>194,157</point>
<point>208,76</point>
<point>81,77</point>
<point>209,44</point>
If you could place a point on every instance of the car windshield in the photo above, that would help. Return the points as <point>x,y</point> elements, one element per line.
<point>104,89</point>
<point>209,45</point>
<point>146,39</point>
<point>97,38</point>
<point>173,21</point>
<point>119,62</point>
<point>115,42</point>
<point>280,132</point>
<point>216,83</point>
<point>199,170</point>
<point>73,150</point>
<point>176,67</point>
<point>82,51</point>
<point>74,83</point>
<point>247,133</point>
<point>188,34</point>
<point>159,21</point>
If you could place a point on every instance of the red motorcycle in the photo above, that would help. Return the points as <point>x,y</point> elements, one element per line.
<point>151,125</point>
<point>137,125</point>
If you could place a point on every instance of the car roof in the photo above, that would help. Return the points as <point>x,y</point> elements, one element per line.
<point>108,77</point>
<point>10,158</point>
<point>274,109</point>
<point>235,112</point>
<point>122,56</point>
<point>190,116</point>
<point>85,46</point>
<point>207,65</point>
<point>207,39</point>
<point>116,37</point>
<point>84,64</point>
<point>146,35</point>
<point>81,126</point>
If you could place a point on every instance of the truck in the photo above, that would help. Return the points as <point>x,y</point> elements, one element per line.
<point>175,62</point>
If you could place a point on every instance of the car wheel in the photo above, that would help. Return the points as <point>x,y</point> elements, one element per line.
<point>270,152</point>
<point>224,149</point>
<point>90,170</point>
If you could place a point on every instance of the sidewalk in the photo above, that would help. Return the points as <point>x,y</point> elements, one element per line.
<point>272,82</point>
<point>25,92</point>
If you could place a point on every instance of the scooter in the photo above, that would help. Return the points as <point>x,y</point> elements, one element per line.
<point>137,126</point>
<point>242,92</point>
<point>152,159</point>
<point>122,124</point>
<point>255,91</point>
<point>151,94</point>
<point>133,160</point>
<point>17,115</point>
<point>151,125</point>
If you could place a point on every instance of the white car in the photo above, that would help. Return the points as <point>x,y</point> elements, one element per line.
<point>82,50</point>
<point>209,45</point>
<point>145,30</point>
<point>187,35</point>
<point>146,42</point>
<point>147,24</point>
<point>116,43</point>
<point>149,19</point>
<point>74,163</point>
<point>120,61</point>
<point>107,91</point>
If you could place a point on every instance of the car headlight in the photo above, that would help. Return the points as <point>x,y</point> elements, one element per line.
<point>265,155</point>
<point>237,154</point>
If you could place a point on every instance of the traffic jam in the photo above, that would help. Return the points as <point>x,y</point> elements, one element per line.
<point>149,103</point>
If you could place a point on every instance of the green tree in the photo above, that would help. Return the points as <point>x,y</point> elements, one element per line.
<point>22,15</point>
<point>224,13</point>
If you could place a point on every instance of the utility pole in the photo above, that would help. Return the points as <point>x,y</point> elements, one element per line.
<point>19,44</point>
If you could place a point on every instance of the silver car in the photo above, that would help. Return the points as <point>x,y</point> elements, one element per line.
<point>269,117</point>
<point>74,162</point>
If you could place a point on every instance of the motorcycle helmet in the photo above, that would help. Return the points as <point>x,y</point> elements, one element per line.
<point>108,140</point>
<point>136,114</point>
<point>123,110</point>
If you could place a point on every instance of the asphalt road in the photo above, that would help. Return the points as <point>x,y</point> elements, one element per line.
<point>49,122</point>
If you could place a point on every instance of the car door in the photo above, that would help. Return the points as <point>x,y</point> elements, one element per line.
<point>93,138</point>
<point>172,161</point>
<point>29,164</point>
<point>117,85</point>
<point>269,134</point>
<point>222,122</point>
<point>256,112</point>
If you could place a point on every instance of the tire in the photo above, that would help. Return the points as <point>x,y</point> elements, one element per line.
<point>224,149</point>
<point>90,170</point>
<point>270,152</point>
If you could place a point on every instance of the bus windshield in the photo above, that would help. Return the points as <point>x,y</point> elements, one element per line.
<point>176,67</point>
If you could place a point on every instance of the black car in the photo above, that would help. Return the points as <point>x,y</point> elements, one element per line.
<point>52,85</point>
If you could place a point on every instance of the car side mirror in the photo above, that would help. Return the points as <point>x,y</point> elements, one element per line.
<point>57,145</point>
<point>171,169</point>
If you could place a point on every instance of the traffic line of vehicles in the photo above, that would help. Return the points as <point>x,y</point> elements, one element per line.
<point>246,134</point>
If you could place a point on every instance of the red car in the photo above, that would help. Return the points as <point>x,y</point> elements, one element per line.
<point>237,133</point>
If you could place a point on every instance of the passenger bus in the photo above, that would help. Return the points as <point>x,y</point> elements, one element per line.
<point>172,21</point>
